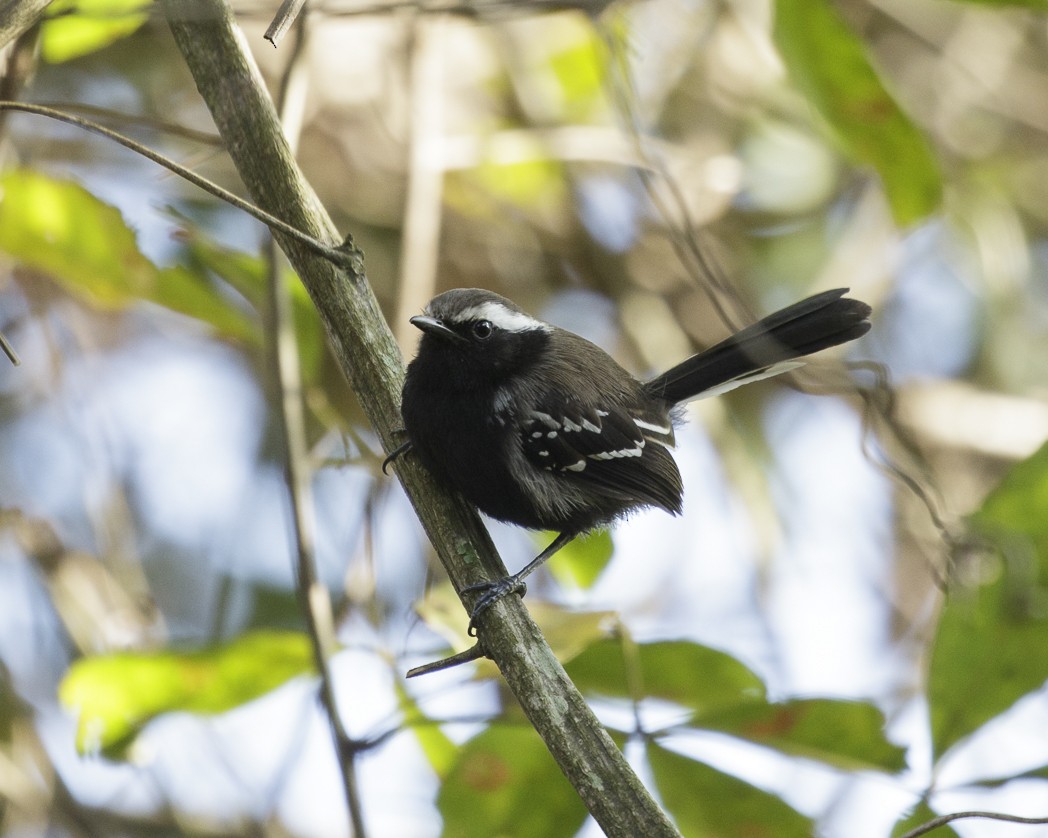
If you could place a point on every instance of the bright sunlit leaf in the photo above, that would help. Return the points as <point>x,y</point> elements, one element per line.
<point>115,695</point>
<point>535,181</point>
<point>846,734</point>
<point>78,27</point>
<point>580,70</point>
<point>59,228</point>
<point>830,65</point>
<point>706,802</point>
<point>691,675</point>
<point>504,782</point>
<point>992,644</point>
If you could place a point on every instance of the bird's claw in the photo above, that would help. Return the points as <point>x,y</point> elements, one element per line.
<point>492,593</point>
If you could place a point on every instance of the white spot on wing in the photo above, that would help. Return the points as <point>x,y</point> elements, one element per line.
<point>618,455</point>
<point>545,419</point>
<point>655,429</point>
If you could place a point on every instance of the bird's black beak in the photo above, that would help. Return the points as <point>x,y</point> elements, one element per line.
<point>435,327</point>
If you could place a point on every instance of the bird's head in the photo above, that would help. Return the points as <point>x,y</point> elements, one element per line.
<point>476,336</point>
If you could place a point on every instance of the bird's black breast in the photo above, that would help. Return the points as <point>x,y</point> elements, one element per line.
<point>463,442</point>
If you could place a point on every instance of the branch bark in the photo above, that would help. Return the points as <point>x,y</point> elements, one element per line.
<point>233,89</point>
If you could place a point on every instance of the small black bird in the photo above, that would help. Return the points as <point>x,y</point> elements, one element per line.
<point>539,427</point>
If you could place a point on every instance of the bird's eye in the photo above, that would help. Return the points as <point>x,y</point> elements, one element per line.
<point>482,329</point>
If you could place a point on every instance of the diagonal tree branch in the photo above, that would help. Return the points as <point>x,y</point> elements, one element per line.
<point>234,92</point>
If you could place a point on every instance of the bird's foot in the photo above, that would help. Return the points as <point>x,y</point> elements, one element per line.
<point>492,592</point>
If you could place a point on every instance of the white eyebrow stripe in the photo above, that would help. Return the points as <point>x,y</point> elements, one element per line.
<point>502,318</point>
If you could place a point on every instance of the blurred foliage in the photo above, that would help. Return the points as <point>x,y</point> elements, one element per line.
<point>576,151</point>
<point>832,68</point>
<point>708,802</point>
<point>78,27</point>
<point>504,782</point>
<point>725,696</point>
<point>63,231</point>
<point>115,696</point>
<point>581,561</point>
<point>991,648</point>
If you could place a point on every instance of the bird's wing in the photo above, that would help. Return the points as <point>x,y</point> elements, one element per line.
<point>618,450</point>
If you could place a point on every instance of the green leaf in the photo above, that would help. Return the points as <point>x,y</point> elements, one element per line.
<point>708,803</point>
<point>991,648</point>
<point>846,734</point>
<point>694,676</point>
<point>581,73</point>
<point>582,561</point>
<point>116,695</point>
<point>1015,511</point>
<point>505,783</point>
<point>921,814</point>
<point>78,27</point>
<point>248,274</point>
<point>829,64</point>
<point>59,228</point>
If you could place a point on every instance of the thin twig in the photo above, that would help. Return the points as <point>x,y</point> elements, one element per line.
<point>935,823</point>
<point>336,255</point>
<point>474,652</point>
<point>282,21</point>
<point>9,350</point>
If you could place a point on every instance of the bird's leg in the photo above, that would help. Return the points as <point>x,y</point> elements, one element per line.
<point>494,591</point>
<point>400,449</point>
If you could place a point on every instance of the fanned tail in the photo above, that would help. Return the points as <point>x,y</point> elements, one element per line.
<point>816,323</point>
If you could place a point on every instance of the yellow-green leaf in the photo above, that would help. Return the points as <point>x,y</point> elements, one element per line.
<point>59,228</point>
<point>248,275</point>
<point>830,65</point>
<point>79,27</point>
<point>581,70</point>
<point>116,695</point>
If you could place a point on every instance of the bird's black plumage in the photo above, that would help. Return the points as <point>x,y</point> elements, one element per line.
<point>539,427</point>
